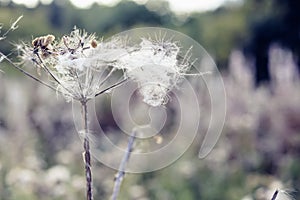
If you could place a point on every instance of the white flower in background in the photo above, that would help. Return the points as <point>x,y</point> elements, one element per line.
<point>155,66</point>
<point>56,179</point>
<point>78,64</point>
<point>57,175</point>
<point>21,177</point>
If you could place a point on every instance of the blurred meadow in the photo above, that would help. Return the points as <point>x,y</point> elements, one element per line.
<point>256,46</point>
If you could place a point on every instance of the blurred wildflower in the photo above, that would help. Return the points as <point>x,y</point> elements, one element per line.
<point>21,177</point>
<point>263,124</point>
<point>186,169</point>
<point>33,162</point>
<point>57,175</point>
<point>78,182</point>
<point>137,192</point>
<point>155,66</point>
<point>64,156</point>
<point>248,197</point>
<point>283,67</point>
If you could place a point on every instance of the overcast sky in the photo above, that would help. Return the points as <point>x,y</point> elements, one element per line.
<point>179,6</point>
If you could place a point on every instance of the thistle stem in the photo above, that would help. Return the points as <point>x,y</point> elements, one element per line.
<point>87,154</point>
<point>275,195</point>
<point>121,172</point>
<point>27,73</point>
<point>112,87</point>
<point>50,73</point>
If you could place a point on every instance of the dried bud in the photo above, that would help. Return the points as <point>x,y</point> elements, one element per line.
<point>35,42</point>
<point>50,39</point>
<point>43,41</point>
<point>94,43</point>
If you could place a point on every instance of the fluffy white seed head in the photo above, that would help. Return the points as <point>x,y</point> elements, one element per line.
<point>156,68</point>
<point>77,63</point>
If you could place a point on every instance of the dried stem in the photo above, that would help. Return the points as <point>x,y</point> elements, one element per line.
<point>107,76</point>
<point>275,195</point>
<point>87,154</point>
<point>112,86</point>
<point>12,27</point>
<point>121,172</point>
<point>27,73</point>
<point>50,73</point>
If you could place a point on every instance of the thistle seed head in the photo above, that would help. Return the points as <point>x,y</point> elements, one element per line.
<point>76,63</point>
<point>155,66</point>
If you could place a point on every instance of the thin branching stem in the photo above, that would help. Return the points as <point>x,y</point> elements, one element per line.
<point>27,73</point>
<point>47,70</point>
<point>107,76</point>
<point>51,74</point>
<point>112,86</point>
<point>13,26</point>
<point>87,154</point>
<point>275,195</point>
<point>121,172</point>
<point>199,74</point>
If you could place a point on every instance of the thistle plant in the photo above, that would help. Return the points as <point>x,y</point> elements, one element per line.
<point>76,64</point>
<point>157,66</point>
<point>80,67</point>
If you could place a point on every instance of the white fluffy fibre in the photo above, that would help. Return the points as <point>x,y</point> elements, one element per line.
<point>78,63</point>
<point>156,69</point>
<point>282,195</point>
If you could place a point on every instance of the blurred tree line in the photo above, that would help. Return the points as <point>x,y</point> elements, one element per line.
<point>249,25</point>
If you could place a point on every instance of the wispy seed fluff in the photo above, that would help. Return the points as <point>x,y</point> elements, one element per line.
<point>77,64</point>
<point>281,195</point>
<point>155,66</point>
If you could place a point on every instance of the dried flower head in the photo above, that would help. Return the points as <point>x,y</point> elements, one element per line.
<point>78,64</point>
<point>155,66</point>
<point>43,45</point>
